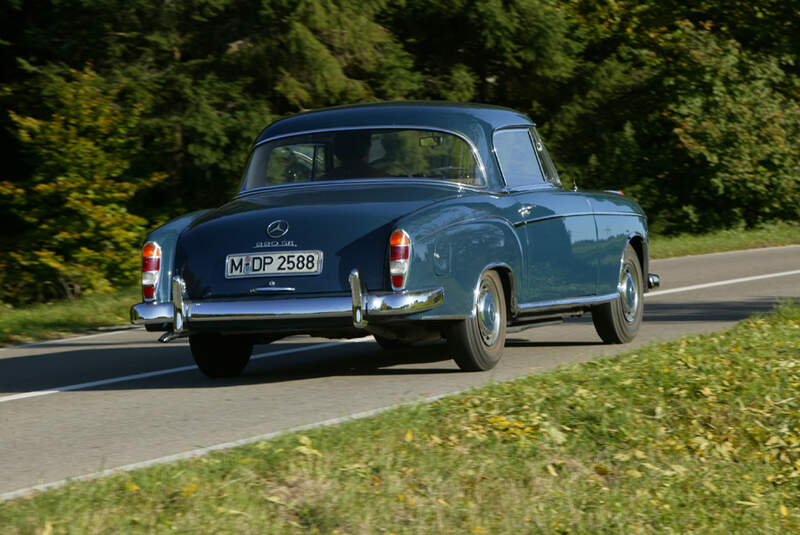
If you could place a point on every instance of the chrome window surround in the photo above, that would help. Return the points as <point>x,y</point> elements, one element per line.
<point>506,187</point>
<point>468,141</point>
<point>535,155</point>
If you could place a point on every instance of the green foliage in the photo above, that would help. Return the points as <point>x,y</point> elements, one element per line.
<point>691,108</point>
<point>75,230</point>
<point>698,129</point>
<point>739,131</point>
<point>512,53</point>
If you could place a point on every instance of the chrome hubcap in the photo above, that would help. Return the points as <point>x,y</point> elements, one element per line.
<point>629,293</point>
<point>488,312</point>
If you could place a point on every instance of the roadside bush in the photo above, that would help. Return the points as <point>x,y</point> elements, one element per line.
<point>71,227</point>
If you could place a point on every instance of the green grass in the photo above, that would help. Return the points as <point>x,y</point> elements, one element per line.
<point>699,435</point>
<point>53,320</point>
<point>773,234</point>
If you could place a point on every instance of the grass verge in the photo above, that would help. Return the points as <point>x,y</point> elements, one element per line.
<point>53,320</point>
<point>773,234</point>
<point>698,435</point>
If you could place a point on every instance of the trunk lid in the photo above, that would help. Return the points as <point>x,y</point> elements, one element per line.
<point>349,224</point>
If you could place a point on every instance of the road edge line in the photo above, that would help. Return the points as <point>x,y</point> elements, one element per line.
<point>200,452</point>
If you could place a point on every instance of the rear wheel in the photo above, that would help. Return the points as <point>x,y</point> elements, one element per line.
<point>220,356</point>
<point>618,322</point>
<point>477,342</point>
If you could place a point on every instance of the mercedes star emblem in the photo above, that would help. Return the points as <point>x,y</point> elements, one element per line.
<point>277,229</point>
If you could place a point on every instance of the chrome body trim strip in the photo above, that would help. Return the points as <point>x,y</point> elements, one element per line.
<point>268,289</point>
<point>333,184</point>
<point>573,214</point>
<point>558,304</point>
<point>146,313</point>
<point>273,309</point>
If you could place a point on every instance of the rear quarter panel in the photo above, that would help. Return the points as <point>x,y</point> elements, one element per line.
<point>166,236</point>
<point>619,220</point>
<point>453,242</point>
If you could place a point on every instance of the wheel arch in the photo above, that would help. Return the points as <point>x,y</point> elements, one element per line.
<point>509,281</point>
<point>641,246</point>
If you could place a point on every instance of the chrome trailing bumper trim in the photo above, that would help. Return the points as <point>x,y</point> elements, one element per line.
<point>361,305</point>
<point>366,305</point>
<point>653,281</point>
<point>145,313</point>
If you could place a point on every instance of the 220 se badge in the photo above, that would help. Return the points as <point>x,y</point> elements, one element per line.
<point>261,264</point>
<point>436,221</point>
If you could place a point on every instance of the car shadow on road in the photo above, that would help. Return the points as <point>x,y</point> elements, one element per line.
<point>75,363</point>
<point>291,362</point>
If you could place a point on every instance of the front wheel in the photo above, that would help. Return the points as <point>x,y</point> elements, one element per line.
<point>220,356</point>
<point>477,342</point>
<point>618,322</point>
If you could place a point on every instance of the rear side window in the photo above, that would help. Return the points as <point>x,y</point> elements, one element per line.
<point>515,153</point>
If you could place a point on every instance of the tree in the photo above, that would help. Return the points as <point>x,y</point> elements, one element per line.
<point>71,227</point>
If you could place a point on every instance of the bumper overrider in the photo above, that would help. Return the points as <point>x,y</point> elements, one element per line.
<point>361,306</point>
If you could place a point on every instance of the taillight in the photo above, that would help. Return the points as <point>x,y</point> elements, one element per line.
<point>399,256</point>
<point>151,265</point>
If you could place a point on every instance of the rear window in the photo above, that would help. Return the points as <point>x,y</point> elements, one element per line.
<point>363,154</point>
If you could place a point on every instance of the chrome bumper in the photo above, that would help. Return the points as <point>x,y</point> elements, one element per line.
<point>361,306</point>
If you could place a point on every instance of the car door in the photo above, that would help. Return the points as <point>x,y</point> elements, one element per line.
<point>558,225</point>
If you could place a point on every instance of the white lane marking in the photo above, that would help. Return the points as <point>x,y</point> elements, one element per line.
<point>733,251</point>
<point>112,380</point>
<point>224,446</point>
<point>721,283</point>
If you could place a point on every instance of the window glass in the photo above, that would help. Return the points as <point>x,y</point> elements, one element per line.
<point>362,154</point>
<point>550,173</point>
<point>517,160</point>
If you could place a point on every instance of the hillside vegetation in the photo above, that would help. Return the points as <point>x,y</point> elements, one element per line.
<point>116,116</point>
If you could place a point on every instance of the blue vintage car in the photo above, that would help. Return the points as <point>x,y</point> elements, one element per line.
<point>408,221</point>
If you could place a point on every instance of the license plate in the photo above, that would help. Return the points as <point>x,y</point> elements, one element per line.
<point>268,264</point>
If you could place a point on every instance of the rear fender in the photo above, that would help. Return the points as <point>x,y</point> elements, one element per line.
<point>166,237</point>
<point>455,257</point>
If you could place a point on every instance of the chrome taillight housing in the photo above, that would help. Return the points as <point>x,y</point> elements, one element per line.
<point>399,259</point>
<point>151,267</point>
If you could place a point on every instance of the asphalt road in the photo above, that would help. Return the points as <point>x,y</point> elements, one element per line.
<point>53,425</point>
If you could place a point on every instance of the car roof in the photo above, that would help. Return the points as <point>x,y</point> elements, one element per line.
<point>460,117</point>
<point>476,122</point>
